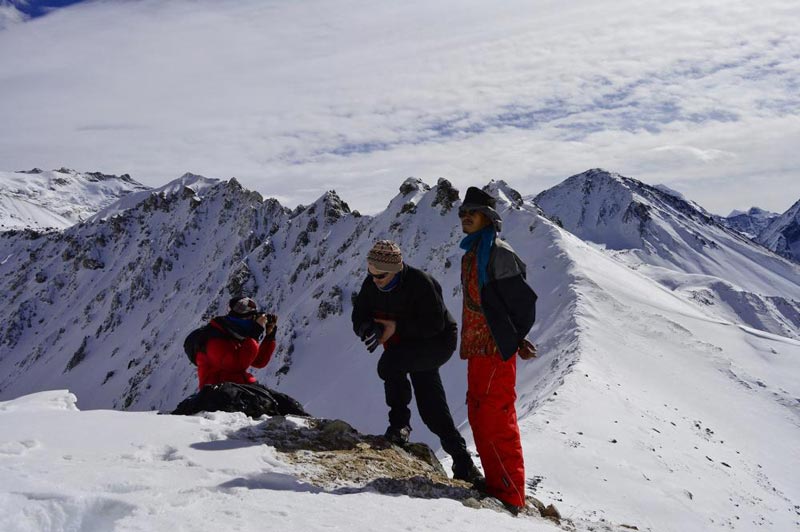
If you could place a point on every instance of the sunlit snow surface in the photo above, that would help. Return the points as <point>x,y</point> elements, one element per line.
<point>62,469</point>
<point>643,409</point>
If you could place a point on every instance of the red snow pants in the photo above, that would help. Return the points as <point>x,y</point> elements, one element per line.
<point>491,394</point>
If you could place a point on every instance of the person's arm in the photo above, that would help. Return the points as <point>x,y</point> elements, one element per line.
<point>270,324</point>
<point>361,314</point>
<point>519,300</point>
<point>265,351</point>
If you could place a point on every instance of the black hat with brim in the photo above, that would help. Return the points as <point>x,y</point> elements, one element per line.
<point>477,200</point>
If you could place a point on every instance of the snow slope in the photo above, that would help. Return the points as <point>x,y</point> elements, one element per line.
<point>64,469</point>
<point>643,408</point>
<point>679,244</point>
<point>39,199</point>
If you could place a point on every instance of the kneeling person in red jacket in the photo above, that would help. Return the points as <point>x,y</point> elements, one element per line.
<point>234,345</point>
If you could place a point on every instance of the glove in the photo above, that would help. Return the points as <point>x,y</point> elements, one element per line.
<point>271,326</point>
<point>370,333</point>
<point>526,350</point>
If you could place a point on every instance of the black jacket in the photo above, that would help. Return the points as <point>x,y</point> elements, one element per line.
<point>416,305</point>
<point>507,301</point>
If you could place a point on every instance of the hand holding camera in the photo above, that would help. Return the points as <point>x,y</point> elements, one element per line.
<point>269,321</point>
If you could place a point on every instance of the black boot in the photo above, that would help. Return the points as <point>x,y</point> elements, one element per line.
<point>398,435</point>
<point>466,470</point>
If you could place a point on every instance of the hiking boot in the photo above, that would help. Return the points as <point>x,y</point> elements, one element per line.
<point>469,472</point>
<point>398,435</point>
<point>513,509</point>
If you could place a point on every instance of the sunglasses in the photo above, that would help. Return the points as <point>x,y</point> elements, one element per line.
<point>378,275</point>
<point>467,212</point>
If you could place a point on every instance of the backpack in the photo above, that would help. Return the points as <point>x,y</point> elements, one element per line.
<point>196,341</point>
<point>253,400</point>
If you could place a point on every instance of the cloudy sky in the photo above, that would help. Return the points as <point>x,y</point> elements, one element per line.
<point>297,97</point>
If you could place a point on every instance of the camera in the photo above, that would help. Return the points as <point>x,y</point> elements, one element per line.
<point>272,319</point>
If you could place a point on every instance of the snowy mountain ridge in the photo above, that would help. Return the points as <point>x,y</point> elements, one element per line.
<point>782,235</point>
<point>679,244</point>
<point>637,386</point>
<point>38,199</point>
<point>750,223</point>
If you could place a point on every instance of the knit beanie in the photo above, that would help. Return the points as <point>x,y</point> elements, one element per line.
<point>385,256</point>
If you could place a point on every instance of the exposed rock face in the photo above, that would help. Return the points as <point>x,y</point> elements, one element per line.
<point>413,184</point>
<point>446,195</point>
<point>332,456</point>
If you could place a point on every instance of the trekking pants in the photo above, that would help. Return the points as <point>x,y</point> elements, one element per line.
<point>490,406</point>
<point>420,361</point>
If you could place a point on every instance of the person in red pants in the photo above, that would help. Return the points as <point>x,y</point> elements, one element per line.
<point>499,309</point>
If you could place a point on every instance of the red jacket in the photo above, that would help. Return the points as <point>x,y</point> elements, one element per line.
<point>227,359</point>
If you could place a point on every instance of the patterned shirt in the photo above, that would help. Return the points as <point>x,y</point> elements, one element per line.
<point>476,337</point>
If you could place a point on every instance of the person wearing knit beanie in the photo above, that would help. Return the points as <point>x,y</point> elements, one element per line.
<point>385,256</point>
<point>401,308</point>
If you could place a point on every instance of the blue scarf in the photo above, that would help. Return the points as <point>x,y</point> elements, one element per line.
<point>485,238</point>
<point>394,282</point>
<point>240,327</point>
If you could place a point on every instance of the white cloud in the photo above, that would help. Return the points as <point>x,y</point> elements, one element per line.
<point>294,98</point>
<point>9,14</point>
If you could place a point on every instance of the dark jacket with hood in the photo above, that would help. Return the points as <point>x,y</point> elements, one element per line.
<point>507,302</point>
<point>416,304</point>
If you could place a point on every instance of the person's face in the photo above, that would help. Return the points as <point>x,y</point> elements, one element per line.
<point>473,221</point>
<point>381,279</point>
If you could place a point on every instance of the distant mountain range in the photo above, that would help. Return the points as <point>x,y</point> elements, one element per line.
<point>679,244</point>
<point>38,199</point>
<point>668,342</point>
<point>782,235</point>
<point>750,223</point>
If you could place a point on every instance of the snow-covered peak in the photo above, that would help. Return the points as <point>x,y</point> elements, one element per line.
<point>188,183</point>
<point>410,193</point>
<point>670,191</point>
<point>750,223</point>
<point>504,193</point>
<point>598,206</point>
<point>782,234</point>
<point>58,198</point>
<point>755,212</point>
<point>330,206</point>
<point>617,211</point>
<point>657,232</point>
<point>412,185</point>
